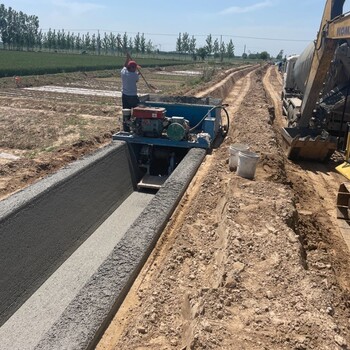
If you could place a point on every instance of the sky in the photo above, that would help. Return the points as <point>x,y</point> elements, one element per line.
<point>252,25</point>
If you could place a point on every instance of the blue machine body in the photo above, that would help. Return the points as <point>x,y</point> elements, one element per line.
<point>203,118</point>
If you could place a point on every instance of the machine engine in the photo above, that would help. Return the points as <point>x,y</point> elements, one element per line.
<point>153,122</point>
<point>148,121</point>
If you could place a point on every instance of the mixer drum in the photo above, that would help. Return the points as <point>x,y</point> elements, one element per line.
<point>302,67</point>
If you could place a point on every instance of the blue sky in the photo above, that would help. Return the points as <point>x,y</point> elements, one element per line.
<point>253,25</point>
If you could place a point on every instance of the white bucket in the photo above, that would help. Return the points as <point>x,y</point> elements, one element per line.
<point>247,162</point>
<point>233,154</point>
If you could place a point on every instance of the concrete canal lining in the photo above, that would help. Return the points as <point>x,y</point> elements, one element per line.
<point>43,225</point>
<point>47,304</point>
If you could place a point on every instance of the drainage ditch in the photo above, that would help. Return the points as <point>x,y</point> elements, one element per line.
<point>73,243</point>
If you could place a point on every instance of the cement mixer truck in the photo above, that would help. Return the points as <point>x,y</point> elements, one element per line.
<point>316,90</point>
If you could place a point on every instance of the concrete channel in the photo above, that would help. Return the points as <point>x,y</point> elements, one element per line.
<point>72,244</point>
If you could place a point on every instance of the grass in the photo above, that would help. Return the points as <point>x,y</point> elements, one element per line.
<point>31,63</point>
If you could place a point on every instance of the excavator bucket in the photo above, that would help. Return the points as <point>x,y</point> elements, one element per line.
<point>307,143</point>
<point>343,201</point>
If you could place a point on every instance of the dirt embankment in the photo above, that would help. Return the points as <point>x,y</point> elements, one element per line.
<point>245,264</point>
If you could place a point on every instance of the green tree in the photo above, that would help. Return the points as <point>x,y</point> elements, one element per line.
<point>216,48</point>
<point>93,43</point>
<point>39,40</point>
<point>119,43</point>
<point>202,53</point>
<point>105,43</point>
<point>99,43</point>
<point>3,25</point>
<point>61,40</point>
<point>185,42</point>
<point>137,42</point>
<point>11,32</point>
<point>209,44</point>
<point>87,41</point>
<point>33,31</point>
<point>222,50</point>
<point>54,39</point>
<point>149,46</point>
<point>230,49</point>
<point>179,43</point>
<point>112,42</point>
<point>70,41</point>
<point>253,56</point>
<point>130,44</point>
<point>264,55</point>
<point>280,55</point>
<point>125,42</point>
<point>192,46</point>
<point>143,43</point>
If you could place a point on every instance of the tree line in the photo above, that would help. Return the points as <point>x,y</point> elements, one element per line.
<point>186,44</point>
<point>20,31</point>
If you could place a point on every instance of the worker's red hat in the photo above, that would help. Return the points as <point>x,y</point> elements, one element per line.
<point>132,64</point>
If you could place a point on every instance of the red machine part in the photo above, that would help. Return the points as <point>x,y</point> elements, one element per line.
<point>149,112</point>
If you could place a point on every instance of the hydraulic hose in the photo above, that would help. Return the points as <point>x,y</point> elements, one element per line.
<point>213,108</point>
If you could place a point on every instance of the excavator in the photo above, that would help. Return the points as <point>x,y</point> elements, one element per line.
<point>315,99</point>
<point>316,89</point>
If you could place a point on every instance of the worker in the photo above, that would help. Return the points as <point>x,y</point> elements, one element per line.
<point>130,76</point>
<point>280,66</point>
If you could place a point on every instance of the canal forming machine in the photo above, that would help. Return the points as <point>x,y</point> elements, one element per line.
<point>161,130</point>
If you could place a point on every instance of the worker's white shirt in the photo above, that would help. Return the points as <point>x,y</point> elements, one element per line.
<point>129,80</point>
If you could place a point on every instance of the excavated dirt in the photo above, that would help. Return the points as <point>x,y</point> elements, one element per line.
<point>242,264</point>
<point>246,264</point>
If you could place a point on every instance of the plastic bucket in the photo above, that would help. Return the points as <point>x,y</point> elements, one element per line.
<point>233,154</point>
<point>247,162</point>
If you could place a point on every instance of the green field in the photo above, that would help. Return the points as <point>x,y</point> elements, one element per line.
<point>37,63</point>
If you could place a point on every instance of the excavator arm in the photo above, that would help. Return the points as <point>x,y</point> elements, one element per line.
<point>339,28</point>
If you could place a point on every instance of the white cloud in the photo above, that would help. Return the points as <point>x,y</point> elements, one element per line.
<point>77,7</point>
<point>252,8</point>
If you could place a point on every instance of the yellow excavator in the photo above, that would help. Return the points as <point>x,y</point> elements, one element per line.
<point>316,88</point>
<point>316,101</point>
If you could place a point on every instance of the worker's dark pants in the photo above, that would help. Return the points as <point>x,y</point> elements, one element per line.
<point>129,102</point>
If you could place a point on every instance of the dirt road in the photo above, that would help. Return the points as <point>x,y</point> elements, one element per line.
<point>246,264</point>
